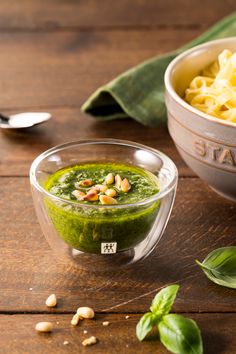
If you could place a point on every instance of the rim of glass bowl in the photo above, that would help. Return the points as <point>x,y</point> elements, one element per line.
<point>167,189</point>
<point>173,93</point>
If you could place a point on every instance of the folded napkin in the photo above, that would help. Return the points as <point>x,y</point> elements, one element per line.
<point>139,92</point>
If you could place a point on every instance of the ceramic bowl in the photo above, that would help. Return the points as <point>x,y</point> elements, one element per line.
<point>207,144</point>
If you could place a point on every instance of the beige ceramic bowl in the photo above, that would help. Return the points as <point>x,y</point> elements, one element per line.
<point>207,144</point>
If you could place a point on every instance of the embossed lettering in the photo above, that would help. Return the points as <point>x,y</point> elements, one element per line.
<point>212,151</point>
<point>200,147</point>
<point>226,157</point>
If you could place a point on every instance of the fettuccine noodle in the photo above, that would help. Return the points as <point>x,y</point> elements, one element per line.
<point>214,92</point>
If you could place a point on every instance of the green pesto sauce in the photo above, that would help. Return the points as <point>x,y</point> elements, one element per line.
<point>85,228</point>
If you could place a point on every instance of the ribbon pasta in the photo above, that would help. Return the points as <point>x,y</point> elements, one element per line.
<point>214,91</point>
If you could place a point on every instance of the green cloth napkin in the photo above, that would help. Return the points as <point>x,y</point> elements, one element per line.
<point>139,92</point>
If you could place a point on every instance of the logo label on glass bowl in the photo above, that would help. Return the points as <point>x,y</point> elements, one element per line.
<point>108,247</point>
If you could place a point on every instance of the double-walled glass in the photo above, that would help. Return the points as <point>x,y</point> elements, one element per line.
<point>98,237</point>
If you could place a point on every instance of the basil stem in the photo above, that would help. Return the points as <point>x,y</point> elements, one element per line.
<point>180,335</point>
<point>220,266</point>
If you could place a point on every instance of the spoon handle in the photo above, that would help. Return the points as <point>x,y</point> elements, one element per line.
<point>3,118</point>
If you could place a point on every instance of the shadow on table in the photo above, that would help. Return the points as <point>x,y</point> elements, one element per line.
<point>35,136</point>
<point>213,343</point>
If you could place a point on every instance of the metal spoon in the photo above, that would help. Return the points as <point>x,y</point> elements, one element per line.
<point>23,120</point>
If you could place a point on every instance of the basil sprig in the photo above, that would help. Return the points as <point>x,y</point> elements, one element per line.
<point>178,334</point>
<point>220,266</point>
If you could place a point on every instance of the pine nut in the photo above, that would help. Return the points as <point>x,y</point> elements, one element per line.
<point>91,196</point>
<point>85,183</point>
<point>93,189</point>
<point>109,178</point>
<point>85,312</point>
<point>105,323</point>
<point>90,341</point>
<point>125,185</point>
<point>51,301</point>
<point>104,199</point>
<point>75,319</point>
<point>78,194</point>
<point>44,327</point>
<point>111,192</point>
<point>118,181</point>
<point>100,188</point>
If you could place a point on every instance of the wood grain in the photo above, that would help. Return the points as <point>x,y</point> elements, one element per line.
<point>18,149</point>
<point>18,335</point>
<point>34,14</point>
<point>63,68</point>
<point>201,221</point>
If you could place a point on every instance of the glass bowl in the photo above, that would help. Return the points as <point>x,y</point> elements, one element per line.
<point>101,237</point>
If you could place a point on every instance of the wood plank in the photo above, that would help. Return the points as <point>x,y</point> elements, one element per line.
<point>201,221</point>
<point>18,149</point>
<point>64,68</point>
<point>34,14</point>
<point>18,335</point>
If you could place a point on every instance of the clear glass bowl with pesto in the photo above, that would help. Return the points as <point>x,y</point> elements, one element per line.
<point>103,203</point>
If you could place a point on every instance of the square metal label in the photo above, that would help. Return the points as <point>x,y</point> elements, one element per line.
<point>108,247</point>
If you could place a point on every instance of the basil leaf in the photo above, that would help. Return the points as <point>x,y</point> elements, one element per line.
<point>220,266</point>
<point>180,335</point>
<point>164,299</point>
<point>145,325</point>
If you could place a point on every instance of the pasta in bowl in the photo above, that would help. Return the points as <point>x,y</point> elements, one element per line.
<point>201,107</point>
<point>214,91</point>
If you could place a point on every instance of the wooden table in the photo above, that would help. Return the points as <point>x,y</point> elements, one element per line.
<point>53,55</point>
